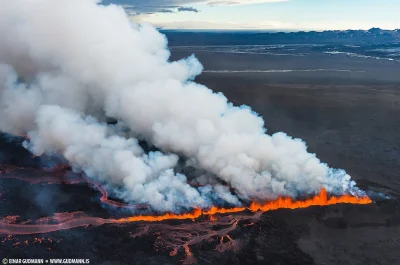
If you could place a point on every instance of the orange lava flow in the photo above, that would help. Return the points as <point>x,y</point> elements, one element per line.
<point>168,216</point>
<point>319,200</point>
<point>281,203</point>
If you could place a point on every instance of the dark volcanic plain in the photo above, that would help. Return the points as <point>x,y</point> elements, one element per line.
<point>350,119</point>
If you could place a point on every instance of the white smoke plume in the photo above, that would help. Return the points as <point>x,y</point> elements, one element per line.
<point>67,65</point>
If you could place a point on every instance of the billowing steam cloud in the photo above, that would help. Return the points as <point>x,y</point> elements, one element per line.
<point>68,65</point>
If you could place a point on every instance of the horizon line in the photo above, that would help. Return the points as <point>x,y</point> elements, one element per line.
<point>270,30</point>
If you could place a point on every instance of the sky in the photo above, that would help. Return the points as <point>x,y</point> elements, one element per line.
<point>265,14</point>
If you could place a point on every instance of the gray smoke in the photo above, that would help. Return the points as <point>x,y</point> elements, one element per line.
<point>68,65</point>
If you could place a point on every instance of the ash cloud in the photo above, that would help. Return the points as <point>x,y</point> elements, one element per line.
<point>67,66</point>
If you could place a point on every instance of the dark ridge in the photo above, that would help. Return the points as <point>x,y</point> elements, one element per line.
<point>12,152</point>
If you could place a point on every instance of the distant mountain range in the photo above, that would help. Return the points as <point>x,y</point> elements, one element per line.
<point>371,36</point>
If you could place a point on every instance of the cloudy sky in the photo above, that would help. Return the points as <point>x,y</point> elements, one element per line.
<point>266,14</point>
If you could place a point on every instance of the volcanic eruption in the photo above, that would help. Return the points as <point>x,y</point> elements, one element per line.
<point>68,66</point>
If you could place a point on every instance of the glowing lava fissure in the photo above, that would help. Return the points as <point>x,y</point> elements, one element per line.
<point>282,203</point>
<point>73,220</point>
<point>320,199</point>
